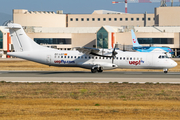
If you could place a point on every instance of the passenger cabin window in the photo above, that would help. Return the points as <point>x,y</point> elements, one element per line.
<point>124,58</point>
<point>78,57</point>
<point>120,58</point>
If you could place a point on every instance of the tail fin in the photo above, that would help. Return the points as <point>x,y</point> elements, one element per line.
<point>134,40</point>
<point>21,41</point>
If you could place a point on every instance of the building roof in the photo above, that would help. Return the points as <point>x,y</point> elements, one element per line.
<point>106,12</point>
<point>66,30</point>
<point>4,29</point>
<point>158,29</point>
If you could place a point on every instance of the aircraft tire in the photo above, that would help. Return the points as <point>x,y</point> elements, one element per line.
<point>100,71</point>
<point>94,70</point>
<point>165,71</point>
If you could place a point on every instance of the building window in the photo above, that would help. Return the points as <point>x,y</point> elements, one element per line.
<point>1,40</point>
<point>115,19</point>
<point>104,19</point>
<point>149,19</point>
<point>137,19</point>
<point>93,19</point>
<point>109,19</point>
<point>99,19</point>
<point>126,19</point>
<point>52,40</point>
<point>132,19</point>
<point>121,19</point>
<point>82,19</point>
<point>87,19</point>
<point>71,19</point>
<point>76,19</point>
<point>102,38</point>
<point>156,40</point>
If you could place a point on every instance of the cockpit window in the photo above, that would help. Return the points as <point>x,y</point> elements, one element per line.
<point>163,56</point>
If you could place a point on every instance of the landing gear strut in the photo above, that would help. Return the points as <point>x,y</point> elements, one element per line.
<point>165,70</point>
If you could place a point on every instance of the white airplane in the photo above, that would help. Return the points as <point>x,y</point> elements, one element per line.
<point>90,58</point>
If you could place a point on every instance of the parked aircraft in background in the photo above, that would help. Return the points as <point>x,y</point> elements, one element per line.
<point>90,58</point>
<point>140,48</point>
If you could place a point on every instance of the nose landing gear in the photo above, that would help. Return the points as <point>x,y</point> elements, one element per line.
<point>165,70</point>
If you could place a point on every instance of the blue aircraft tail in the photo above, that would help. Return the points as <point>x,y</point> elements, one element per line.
<point>134,40</point>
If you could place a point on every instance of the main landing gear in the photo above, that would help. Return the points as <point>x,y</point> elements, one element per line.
<point>165,70</point>
<point>96,69</point>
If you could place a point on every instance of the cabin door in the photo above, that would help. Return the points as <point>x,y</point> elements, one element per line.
<point>48,59</point>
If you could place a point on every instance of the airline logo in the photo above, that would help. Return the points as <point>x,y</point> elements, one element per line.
<point>134,40</point>
<point>63,61</point>
<point>136,62</point>
<point>169,50</point>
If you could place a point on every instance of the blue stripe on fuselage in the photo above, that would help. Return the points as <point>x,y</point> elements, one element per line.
<point>150,49</point>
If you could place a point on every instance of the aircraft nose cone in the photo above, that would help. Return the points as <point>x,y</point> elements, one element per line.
<point>174,64</point>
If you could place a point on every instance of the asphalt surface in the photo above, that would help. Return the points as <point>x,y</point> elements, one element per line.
<point>105,77</point>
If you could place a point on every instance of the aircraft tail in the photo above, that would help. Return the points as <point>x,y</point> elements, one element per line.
<point>134,40</point>
<point>21,41</point>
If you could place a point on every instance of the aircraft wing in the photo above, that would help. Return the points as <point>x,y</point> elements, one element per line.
<point>94,51</point>
<point>87,50</point>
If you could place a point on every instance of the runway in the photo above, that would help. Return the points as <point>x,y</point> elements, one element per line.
<point>74,77</point>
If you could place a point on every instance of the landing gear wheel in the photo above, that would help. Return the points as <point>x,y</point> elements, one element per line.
<point>94,70</point>
<point>100,71</point>
<point>165,70</point>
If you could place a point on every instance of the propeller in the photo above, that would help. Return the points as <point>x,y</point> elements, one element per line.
<point>113,54</point>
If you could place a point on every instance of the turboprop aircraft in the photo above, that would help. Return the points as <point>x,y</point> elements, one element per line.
<point>90,58</point>
<point>140,48</point>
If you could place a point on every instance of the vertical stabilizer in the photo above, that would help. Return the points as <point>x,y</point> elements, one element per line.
<point>21,41</point>
<point>134,40</point>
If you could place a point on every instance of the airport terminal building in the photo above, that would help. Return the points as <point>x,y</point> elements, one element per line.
<point>101,29</point>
